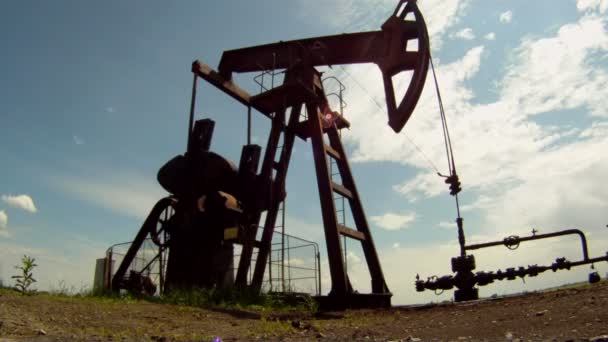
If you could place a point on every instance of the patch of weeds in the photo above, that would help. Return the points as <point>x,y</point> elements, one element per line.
<point>226,298</point>
<point>63,290</point>
<point>25,278</point>
<point>220,297</point>
<point>276,327</point>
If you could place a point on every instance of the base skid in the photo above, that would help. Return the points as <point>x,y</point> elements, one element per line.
<point>354,301</point>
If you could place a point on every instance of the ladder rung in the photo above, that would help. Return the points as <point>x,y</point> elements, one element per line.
<point>355,234</point>
<point>332,152</point>
<point>341,190</point>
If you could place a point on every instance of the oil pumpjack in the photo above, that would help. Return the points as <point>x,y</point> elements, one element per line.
<point>214,204</point>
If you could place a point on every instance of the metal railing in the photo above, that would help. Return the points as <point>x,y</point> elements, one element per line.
<point>294,268</point>
<point>298,271</point>
<point>150,261</point>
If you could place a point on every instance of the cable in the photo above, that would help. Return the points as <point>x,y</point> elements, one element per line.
<point>452,179</point>
<point>446,135</point>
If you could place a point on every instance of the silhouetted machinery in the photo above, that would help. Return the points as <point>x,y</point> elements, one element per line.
<point>466,281</point>
<point>214,204</point>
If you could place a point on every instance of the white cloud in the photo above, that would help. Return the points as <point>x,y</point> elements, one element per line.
<point>492,139</point>
<point>3,223</point>
<point>373,140</point>
<point>440,15</point>
<point>554,73</point>
<point>592,5</point>
<point>353,259</point>
<point>3,219</point>
<point>506,17</point>
<point>110,110</point>
<point>465,33</point>
<point>78,140</point>
<point>447,225</point>
<point>394,221</point>
<point>522,174</point>
<point>304,228</point>
<point>490,36</point>
<point>24,202</point>
<point>396,245</point>
<point>559,188</point>
<point>123,192</point>
<point>361,15</point>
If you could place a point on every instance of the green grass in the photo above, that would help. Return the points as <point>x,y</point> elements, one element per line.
<point>235,299</point>
<point>229,298</point>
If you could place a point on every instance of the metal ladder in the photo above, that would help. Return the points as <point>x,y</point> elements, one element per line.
<point>339,200</point>
<point>333,229</point>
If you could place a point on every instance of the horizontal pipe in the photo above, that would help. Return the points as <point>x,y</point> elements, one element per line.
<point>589,261</point>
<point>518,240</point>
<point>485,278</point>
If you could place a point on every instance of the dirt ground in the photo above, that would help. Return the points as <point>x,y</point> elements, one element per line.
<point>573,314</point>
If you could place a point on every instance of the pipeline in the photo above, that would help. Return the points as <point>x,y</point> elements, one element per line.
<point>466,281</point>
<point>513,241</point>
<point>484,278</point>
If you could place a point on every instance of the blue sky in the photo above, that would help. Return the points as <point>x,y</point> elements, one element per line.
<point>94,99</point>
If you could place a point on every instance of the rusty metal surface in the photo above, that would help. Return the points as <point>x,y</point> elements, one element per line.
<point>386,48</point>
<point>358,213</point>
<point>264,191</point>
<point>278,194</point>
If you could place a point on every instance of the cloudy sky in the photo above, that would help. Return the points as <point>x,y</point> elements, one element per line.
<point>95,98</point>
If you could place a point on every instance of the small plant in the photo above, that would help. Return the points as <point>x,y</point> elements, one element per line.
<point>25,279</point>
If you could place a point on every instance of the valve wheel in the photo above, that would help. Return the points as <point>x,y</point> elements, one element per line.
<point>160,233</point>
<point>512,242</point>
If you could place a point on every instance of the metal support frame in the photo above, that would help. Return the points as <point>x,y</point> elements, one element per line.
<point>302,87</point>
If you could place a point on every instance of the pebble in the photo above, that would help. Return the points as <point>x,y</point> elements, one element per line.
<point>602,338</point>
<point>409,339</point>
<point>540,313</point>
<point>41,332</point>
